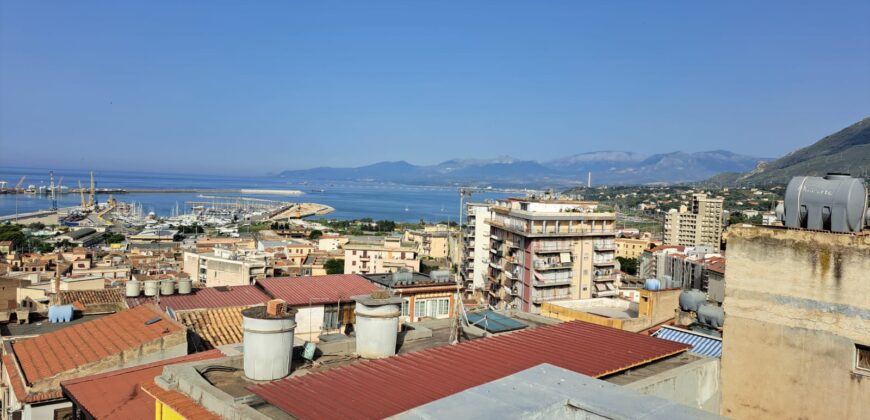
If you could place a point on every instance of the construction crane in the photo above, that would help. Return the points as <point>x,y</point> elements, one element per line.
<point>59,181</point>
<point>91,197</point>
<point>53,190</point>
<point>20,182</point>
<point>82,193</point>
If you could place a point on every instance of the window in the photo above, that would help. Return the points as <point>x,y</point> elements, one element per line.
<point>862,359</point>
<point>419,308</point>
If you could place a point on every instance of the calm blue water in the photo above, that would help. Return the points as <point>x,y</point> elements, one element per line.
<point>350,200</point>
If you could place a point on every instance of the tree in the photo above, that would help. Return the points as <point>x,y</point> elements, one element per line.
<point>13,233</point>
<point>334,266</point>
<point>628,265</point>
<point>315,234</point>
<point>115,238</point>
<point>36,226</point>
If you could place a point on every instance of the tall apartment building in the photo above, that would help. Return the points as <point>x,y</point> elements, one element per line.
<point>697,225</point>
<point>797,319</point>
<point>376,255</point>
<point>475,245</point>
<point>542,250</point>
<point>432,241</point>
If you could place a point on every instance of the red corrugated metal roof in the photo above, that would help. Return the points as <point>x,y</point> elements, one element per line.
<point>317,289</point>
<point>116,394</point>
<point>382,388</point>
<point>209,297</point>
<point>71,347</point>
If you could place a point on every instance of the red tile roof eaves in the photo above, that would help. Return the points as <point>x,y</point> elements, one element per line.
<point>207,298</point>
<point>385,387</point>
<point>180,403</point>
<point>317,289</point>
<point>69,348</point>
<point>116,394</point>
<point>17,383</point>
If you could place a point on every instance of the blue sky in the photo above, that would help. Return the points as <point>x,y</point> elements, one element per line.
<point>258,87</point>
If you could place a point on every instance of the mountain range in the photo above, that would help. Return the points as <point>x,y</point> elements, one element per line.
<point>607,168</point>
<point>846,151</point>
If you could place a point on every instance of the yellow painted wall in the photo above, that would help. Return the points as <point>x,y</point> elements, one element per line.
<point>164,412</point>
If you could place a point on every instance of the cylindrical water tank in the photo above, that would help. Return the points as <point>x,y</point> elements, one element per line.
<point>377,324</point>
<point>836,202</point>
<point>167,287</point>
<point>184,286</point>
<point>690,300</point>
<point>133,288</point>
<point>268,343</point>
<point>151,287</point>
<point>712,315</point>
<point>652,284</point>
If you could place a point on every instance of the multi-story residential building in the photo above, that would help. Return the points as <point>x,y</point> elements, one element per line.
<point>227,267</point>
<point>797,316</point>
<point>475,244</point>
<point>432,241</point>
<point>549,249</point>
<point>633,247</point>
<point>697,225</point>
<point>377,254</point>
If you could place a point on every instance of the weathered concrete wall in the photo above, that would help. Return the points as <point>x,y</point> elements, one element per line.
<point>796,302</point>
<point>695,384</point>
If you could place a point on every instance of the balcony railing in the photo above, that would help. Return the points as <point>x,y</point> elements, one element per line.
<point>604,246</point>
<point>548,298</point>
<point>552,283</point>
<point>541,266</point>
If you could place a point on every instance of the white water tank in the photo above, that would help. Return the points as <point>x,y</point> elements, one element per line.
<point>268,343</point>
<point>377,324</point>
<point>167,287</point>
<point>134,287</point>
<point>151,287</point>
<point>184,286</point>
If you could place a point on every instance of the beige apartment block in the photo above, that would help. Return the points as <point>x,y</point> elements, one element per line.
<point>376,254</point>
<point>633,247</point>
<point>797,325</point>
<point>543,250</point>
<point>225,267</point>
<point>699,224</point>
<point>432,242</point>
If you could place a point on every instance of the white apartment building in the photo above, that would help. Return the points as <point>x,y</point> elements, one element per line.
<point>377,254</point>
<point>226,267</point>
<point>475,247</point>
<point>697,225</point>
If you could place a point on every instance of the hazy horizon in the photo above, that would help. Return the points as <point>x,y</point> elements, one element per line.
<point>257,88</point>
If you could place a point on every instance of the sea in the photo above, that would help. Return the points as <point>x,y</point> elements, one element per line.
<point>351,200</point>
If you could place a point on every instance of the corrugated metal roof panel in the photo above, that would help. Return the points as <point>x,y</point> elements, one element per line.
<point>385,387</point>
<point>702,344</point>
<point>317,289</point>
<point>209,297</point>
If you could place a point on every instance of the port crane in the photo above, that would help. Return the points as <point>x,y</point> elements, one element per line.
<point>20,183</point>
<point>82,193</point>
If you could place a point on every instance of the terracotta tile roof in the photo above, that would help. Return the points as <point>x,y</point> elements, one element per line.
<point>679,248</point>
<point>117,394</point>
<point>216,327</point>
<point>716,264</point>
<point>71,347</point>
<point>89,297</point>
<point>209,297</point>
<point>182,404</point>
<point>18,388</point>
<point>317,289</point>
<point>385,387</point>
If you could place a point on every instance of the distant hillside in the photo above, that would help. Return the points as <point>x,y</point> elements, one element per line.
<point>847,151</point>
<point>607,167</point>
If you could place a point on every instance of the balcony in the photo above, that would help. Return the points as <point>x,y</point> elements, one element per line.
<point>553,250</point>
<point>604,262</point>
<point>606,278</point>
<point>495,266</point>
<point>605,246</point>
<point>542,266</point>
<point>552,283</point>
<point>607,293</point>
